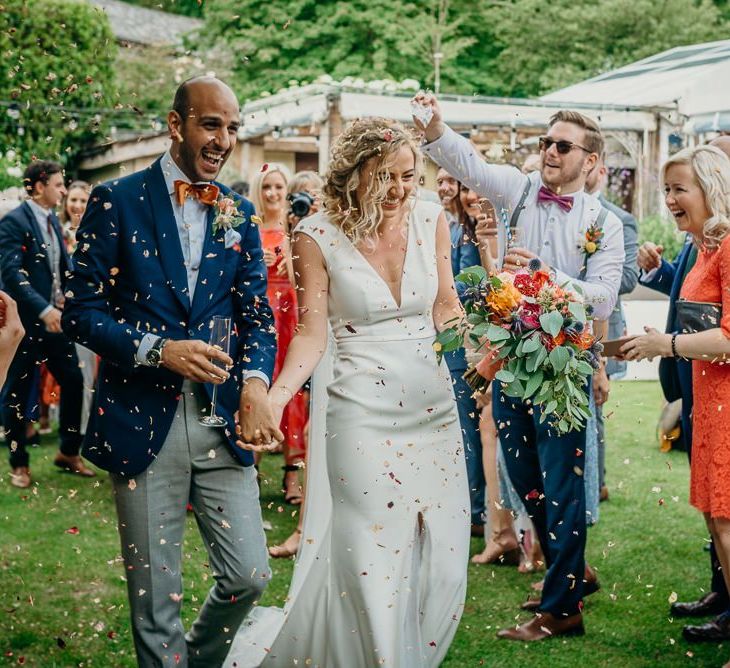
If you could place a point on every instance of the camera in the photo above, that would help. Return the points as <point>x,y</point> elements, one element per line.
<point>300,204</point>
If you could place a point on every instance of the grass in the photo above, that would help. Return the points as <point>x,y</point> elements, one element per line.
<point>63,598</point>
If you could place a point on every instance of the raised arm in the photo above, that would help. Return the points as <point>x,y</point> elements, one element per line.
<point>501,184</point>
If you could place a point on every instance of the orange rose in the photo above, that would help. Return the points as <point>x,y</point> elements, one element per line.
<point>586,341</point>
<point>504,300</point>
<point>489,365</point>
<point>539,278</point>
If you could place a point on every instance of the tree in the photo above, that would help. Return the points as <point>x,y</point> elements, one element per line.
<point>551,45</point>
<point>57,74</point>
<point>271,43</point>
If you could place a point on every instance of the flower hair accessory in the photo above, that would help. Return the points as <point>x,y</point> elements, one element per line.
<point>388,135</point>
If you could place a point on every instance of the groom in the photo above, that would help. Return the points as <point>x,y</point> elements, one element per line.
<point>552,212</point>
<point>160,253</point>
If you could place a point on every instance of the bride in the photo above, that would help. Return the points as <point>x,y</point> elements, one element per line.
<point>381,573</point>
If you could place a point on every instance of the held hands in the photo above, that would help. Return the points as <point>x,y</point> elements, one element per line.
<point>650,345</point>
<point>259,416</point>
<point>519,258</point>
<point>423,106</point>
<point>52,321</point>
<point>650,256</point>
<point>192,359</point>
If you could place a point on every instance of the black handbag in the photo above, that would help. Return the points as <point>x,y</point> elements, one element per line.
<point>697,316</point>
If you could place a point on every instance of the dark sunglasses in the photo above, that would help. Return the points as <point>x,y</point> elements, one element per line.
<point>563,145</point>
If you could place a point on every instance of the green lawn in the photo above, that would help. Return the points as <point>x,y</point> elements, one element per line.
<point>63,599</point>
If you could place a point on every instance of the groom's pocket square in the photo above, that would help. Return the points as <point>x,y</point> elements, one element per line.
<point>232,238</point>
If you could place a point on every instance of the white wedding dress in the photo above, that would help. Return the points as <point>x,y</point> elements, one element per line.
<point>380,578</point>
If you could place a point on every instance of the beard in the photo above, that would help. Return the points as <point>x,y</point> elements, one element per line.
<point>565,175</point>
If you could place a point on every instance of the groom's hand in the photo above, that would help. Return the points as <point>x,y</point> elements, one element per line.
<point>193,359</point>
<point>257,428</point>
<point>435,127</point>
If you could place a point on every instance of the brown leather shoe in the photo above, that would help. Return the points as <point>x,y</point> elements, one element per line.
<point>73,465</point>
<point>590,586</point>
<point>545,625</point>
<point>20,477</point>
<point>716,630</point>
<point>710,604</point>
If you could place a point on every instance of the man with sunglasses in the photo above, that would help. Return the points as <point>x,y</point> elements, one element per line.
<point>552,213</point>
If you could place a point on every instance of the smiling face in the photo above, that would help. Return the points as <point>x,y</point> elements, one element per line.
<point>685,199</point>
<point>76,202</point>
<point>469,201</point>
<point>448,188</point>
<point>203,139</point>
<point>273,191</point>
<point>566,173</point>
<point>401,182</point>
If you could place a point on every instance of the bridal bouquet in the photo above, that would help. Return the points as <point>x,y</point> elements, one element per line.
<point>536,341</point>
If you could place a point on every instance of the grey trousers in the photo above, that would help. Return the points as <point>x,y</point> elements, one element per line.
<point>194,466</point>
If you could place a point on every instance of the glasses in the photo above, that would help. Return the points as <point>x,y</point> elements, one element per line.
<point>562,145</point>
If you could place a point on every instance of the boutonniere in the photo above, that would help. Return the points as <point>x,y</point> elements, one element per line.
<point>592,242</point>
<point>227,215</point>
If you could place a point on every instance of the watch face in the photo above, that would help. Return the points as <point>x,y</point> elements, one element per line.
<point>153,356</point>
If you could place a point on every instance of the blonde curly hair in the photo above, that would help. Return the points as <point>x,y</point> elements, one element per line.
<point>711,168</point>
<point>364,139</point>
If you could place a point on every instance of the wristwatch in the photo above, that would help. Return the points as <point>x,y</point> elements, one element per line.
<point>154,354</point>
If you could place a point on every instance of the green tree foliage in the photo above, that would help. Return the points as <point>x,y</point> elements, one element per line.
<point>57,72</point>
<point>274,42</point>
<point>185,7</point>
<point>504,47</point>
<point>551,45</point>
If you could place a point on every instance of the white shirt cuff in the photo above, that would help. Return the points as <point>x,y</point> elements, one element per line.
<point>257,374</point>
<point>45,311</point>
<point>647,276</point>
<point>148,340</point>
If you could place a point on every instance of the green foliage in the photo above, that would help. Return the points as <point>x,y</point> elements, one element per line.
<point>551,45</point>
<point>58,71</point>
<point>662,232</point>
<point>11,171</point>
<point>193,8</point>
<point>278,41</point>
<point>517,47</point>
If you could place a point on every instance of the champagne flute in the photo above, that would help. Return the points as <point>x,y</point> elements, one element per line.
<point>220,338</point>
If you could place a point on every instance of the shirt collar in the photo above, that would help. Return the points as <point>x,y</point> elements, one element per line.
<point>40,212</point>
<point>171,173</point>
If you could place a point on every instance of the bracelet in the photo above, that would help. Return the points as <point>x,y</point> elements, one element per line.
<point>675,354</point>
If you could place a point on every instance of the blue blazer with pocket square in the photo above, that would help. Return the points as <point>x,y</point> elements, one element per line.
<point>129,279</point>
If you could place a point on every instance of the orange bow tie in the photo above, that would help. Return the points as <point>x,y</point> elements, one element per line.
<point>206,193</point>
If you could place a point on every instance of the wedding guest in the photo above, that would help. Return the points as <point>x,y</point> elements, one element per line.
<point>11,333</point>
<point>552,213</point>
<point>595,183</point>
<point>269,190</point>
<point>697,187</point>
<point>35,266</point>
<point>447,188</point>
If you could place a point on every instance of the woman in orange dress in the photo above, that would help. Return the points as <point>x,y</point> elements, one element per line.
<point>269,190</point>
<point>697,186</point>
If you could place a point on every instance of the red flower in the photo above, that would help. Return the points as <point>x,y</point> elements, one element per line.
<point>539,278</point>
<point>525,284</point>
<point>530,315</point>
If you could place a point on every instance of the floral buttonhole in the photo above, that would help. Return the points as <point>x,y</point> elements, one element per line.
<point>227,217</point>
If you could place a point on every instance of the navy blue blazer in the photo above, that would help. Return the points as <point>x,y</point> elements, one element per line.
<point>26,270</point>
<point>675,375</point>
<point>130,279</point>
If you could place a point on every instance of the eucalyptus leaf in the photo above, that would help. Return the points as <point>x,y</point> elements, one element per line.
<point>559,357</point>
<point>551,322</point>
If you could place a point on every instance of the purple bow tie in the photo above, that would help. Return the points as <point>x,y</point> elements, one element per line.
<point>565,202</point>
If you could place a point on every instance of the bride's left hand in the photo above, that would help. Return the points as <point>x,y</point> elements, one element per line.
<point>650,345</point>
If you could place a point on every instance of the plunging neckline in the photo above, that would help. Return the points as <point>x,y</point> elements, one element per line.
<point>398,302</point>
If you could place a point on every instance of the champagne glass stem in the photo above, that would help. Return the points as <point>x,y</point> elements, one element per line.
<point>213,401</point>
